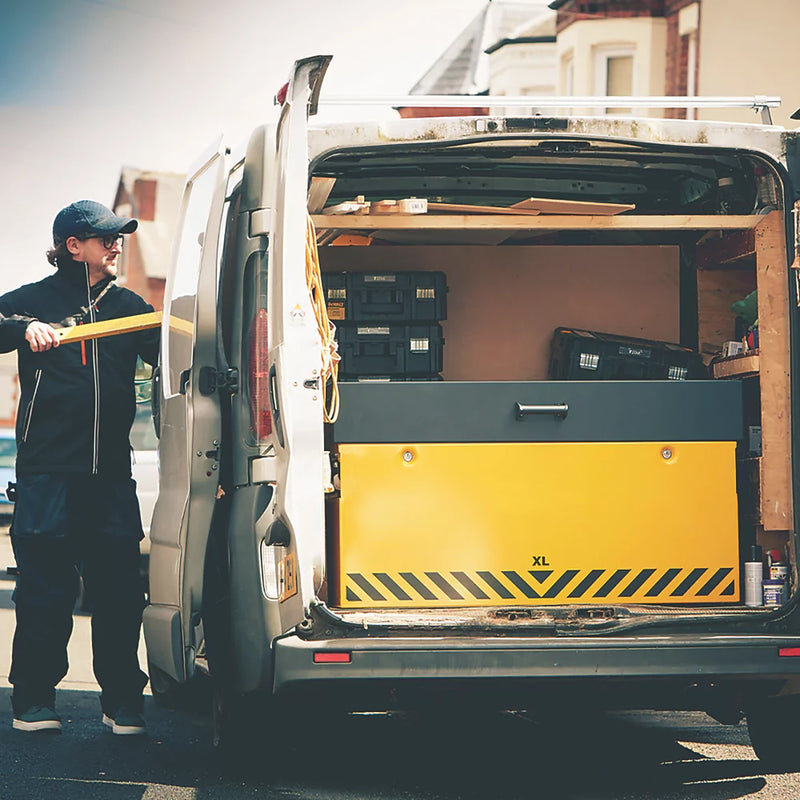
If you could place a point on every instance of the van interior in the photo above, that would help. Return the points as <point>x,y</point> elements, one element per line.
<point>532,466</point>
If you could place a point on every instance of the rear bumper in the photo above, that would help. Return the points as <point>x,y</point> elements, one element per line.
<point>486,658</point>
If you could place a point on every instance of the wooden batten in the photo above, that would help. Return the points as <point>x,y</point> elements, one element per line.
<point>119,325</point>
<point>643,222</point>
<point>110,327</point>
<point>773,337</point>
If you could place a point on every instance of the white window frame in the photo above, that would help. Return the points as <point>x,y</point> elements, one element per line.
<point>567,75</point>
<point>601,57</point>
<point>691,72</point>
<point>688,24</point>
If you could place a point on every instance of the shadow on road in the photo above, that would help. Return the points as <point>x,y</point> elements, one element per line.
<point>484,756</point>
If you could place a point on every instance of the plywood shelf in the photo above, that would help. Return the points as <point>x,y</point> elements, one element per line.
<point>540,222</point>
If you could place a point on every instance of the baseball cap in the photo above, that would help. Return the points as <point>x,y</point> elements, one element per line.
<point>89,218</point>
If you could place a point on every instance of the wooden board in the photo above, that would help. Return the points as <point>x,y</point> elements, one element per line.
<point>112,327</point>
<point>544,206</point>
<point>318,194</point>
<point>628,289</point>
<point>460,208</point>
<point>740,366</point>
<point>773,345</point>
<point>716,291</point>
<point>348,207</point>
<point>406,205</point>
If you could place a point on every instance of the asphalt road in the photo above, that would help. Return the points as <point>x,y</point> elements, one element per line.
<point>509,756</point>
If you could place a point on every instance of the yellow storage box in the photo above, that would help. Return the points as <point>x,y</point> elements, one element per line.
<point>499,524</point>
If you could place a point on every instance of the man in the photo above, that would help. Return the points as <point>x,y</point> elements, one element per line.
<point>76,509</point>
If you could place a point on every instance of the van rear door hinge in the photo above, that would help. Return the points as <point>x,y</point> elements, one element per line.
<point>212,379</point>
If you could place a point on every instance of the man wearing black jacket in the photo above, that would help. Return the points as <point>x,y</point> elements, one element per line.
<point>76,510</point>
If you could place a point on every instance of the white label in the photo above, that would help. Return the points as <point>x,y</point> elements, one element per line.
<point>380,278</point>
<point>419,345</point>
<point>373,331</point>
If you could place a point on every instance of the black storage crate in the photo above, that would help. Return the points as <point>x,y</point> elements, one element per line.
<point>355,297</point>
<point>391,351</point>
<point>589,355</point>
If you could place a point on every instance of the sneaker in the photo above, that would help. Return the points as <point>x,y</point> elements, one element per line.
<point>37,718</point>
<point>125,722</point>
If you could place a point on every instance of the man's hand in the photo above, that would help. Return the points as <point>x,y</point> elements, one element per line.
<point>40,336</point>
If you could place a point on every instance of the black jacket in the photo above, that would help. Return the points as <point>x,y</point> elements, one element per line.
<point>77,404</point>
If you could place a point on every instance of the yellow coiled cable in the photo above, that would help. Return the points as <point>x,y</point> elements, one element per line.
<point>327,330</point>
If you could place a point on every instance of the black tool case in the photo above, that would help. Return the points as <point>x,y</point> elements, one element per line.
<point>355,297</point>
<point>390,350</point>
<point>589,355</point>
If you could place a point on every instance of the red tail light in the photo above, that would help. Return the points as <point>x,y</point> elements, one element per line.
<point>331,658</point>
<point>280,97</point>
<point>260,413</point>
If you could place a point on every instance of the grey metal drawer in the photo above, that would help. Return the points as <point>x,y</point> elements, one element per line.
<point>540,411</point>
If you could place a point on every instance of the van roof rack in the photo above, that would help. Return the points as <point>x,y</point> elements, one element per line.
<point>759,103</point>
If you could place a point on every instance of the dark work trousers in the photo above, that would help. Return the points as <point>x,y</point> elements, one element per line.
<point>65,526</point>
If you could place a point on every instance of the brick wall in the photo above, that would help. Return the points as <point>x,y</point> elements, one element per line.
<point>144,192</point>
<point>674,6</point>
<point>676,81</point>
<point>578,10</point>
<point>677,77</point>
<point>415,112</point>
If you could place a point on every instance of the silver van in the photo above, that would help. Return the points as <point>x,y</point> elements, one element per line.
<point>495,408</point>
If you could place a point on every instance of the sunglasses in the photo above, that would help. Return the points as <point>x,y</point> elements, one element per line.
<point>109,241</point>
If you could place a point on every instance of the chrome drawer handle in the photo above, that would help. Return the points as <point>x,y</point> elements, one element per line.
<point>556,409</point>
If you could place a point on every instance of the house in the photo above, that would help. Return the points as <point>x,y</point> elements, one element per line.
<point>463,68</point>
<point>154,199</point>
<point>611,47</point>
<point>704,48</point>
<point>523,63</point>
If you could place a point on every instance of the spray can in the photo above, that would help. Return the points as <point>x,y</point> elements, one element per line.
<point>753,578</point>
<point>778,568</point>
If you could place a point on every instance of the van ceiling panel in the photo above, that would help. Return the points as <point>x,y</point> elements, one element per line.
<point>505,172</point>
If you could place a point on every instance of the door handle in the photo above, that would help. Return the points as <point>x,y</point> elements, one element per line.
<point>155,399</point>
<point>558,410</point>
<point>273,399</point>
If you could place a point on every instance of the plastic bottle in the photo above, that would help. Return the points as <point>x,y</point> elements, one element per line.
<point>774,589</point>
<point>779,571</point>
<point>753,578</point>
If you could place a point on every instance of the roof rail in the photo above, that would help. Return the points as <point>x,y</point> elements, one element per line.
<point>758,103</point>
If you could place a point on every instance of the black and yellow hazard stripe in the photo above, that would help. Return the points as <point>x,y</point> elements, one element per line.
<point>542,586</point>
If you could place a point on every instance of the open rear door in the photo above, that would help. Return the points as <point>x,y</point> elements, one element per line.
<point>189,427</point>
<point>296,390</point>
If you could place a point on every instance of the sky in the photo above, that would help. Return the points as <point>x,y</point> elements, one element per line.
<point>90,86</point>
